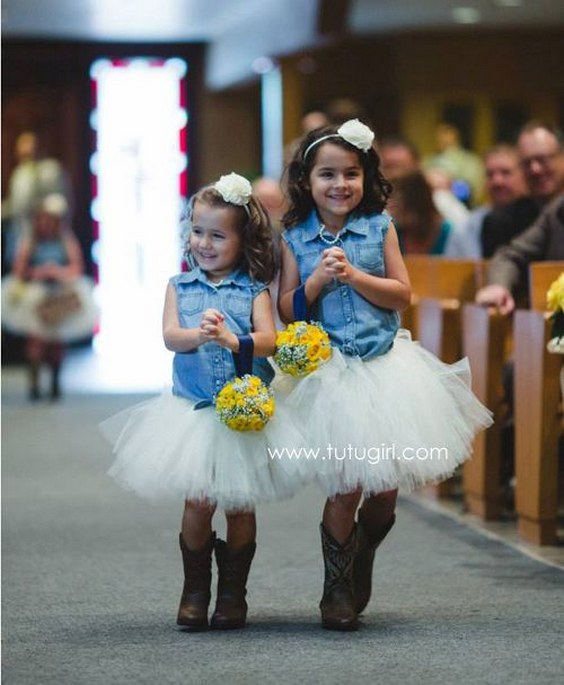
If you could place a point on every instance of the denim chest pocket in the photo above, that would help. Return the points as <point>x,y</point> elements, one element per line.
<point>190,302</point>
<point>307,262</point>
<point>237,304</point>
<point>369,258</point>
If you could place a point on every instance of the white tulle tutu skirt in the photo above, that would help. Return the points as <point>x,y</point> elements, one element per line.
<point>22,303</point>
<point>403,419</point>
<point>166,449</point>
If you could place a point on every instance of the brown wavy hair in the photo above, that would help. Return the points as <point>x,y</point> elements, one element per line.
<point>376,188</point>
<point>255,229</point>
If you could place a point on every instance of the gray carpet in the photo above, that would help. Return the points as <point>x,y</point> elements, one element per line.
<point>92,577</point>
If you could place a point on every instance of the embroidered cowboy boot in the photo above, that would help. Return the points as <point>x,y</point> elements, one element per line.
<point>195,600</point>
<point>233,568</point>
<point>337,605</point>
<point>368,543</point>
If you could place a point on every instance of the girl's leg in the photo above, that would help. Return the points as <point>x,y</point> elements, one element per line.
<point>234,559</point>
<point>196,544</point>
<point>241,528</point>
<point>338,515</point>
<point>54,354</point>
<point>35,350</point>
<point>338,540</point>
<point>377,510</point>
<point>376,517</point>
<point>197,523</point>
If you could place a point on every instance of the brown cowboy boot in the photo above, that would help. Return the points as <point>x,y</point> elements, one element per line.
<point>193,609</point>
<point>233,567</point>
<point>368,543</point>
<point>337,605</point>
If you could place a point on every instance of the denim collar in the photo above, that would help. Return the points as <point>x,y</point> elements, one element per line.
<point>359,225</point>
<point>236,277</point>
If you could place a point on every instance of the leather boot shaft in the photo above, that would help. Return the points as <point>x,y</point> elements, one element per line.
<point>337,605</point>
<point>196,593</point>
<point>233,571</point>
<point>368,543</point>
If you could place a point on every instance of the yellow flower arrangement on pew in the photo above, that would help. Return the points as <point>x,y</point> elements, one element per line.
<point>245,404</point>
<point>301,348</point>
<point>555,304</point>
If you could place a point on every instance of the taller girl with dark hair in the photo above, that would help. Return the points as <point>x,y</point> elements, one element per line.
<point>216,316</point>
<point>384,412</point>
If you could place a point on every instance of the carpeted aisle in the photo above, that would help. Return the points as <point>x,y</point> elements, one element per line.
<point>92,577</point>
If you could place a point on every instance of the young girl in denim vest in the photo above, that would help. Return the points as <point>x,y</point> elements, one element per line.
<point>47,298</point>
<point>382,407</point>
<point>214,315</point>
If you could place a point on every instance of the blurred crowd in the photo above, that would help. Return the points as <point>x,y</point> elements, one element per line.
<point>454,202</point>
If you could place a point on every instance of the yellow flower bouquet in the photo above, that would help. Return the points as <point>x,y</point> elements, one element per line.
<point>555,304</point>
<point>301,348</point>
<point>245,404</point>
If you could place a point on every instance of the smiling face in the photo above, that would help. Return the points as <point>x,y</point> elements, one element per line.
<point>397,160</point>
<point>504,181</point>
<point>538,152</point>
<point>336,182</point>
<point>215,242</point>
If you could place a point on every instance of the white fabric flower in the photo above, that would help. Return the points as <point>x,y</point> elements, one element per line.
<point>54,204</point>
<point>356,133</point>
<point>234,189</point>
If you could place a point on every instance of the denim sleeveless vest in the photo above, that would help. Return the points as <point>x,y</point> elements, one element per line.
<point>46,251</point>
<point>201,373</point>
<point>354,325</point>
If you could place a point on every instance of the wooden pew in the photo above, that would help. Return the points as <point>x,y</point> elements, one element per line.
<point>438,316</point>
<point>419,268</point>
<point>485,334</point>
<point>437,278</point>
<point>538,421</point>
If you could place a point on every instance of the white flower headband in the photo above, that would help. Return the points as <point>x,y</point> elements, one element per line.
<point>235,189</point>
<point>353,131</point>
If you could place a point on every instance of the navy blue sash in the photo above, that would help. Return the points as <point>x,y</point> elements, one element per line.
<point>300,304</point>
<point>244,358</point>
<point>243,364</point>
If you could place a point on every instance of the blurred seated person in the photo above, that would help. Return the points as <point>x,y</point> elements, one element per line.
<point>540,152</point>
<point>504,183</point>
<point>421,228</point>
<point>399,156</point>
<point>461,165</point>
<point>343,109</point>
<point>270,193</point>
<point>508,284</point>
<point>508,270</point>
<point>312,118</point>
<point>33,177</point>
<point>446,201</point>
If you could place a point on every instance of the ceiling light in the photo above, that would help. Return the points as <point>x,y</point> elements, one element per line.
<point>466,15</point>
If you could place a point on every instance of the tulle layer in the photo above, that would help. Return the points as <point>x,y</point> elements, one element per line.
<point>21,301</point>
<point>166,449</point>
<point>403,419</point>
